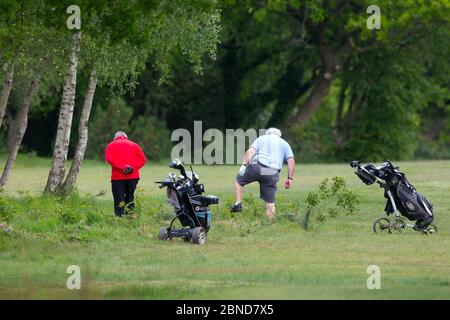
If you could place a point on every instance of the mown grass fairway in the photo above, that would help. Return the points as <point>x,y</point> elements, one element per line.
<point>245,256</point>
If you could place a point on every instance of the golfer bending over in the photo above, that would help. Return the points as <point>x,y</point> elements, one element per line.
<point>263,163</point>
<point>125,158</point>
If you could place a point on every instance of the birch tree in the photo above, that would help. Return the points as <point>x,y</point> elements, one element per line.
<point>82,134</point>
<point>6,90</point>
<point>109,64</point>
<point>11,36</point>
<point>115,56</point>
<point>22,119</point>
<point>58,167</point>
<point>32,53</point>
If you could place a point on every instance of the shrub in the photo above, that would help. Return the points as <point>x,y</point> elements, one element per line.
<point>149,132</point>
<point>104,123</point>
<point>152,135</point>
<point>7,209</point>
<point>67,215</point>
<point>329,201</point>
<point>313,143</point>
<point>288,210</point>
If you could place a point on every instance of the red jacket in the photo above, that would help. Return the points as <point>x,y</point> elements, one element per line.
<point>122,152</point>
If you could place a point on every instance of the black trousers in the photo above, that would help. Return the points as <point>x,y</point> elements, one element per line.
<point>123,193</point>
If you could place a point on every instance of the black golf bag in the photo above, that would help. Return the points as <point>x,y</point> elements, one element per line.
<point>191,207</point>
<point>400,194</point>
<point>185,195</point>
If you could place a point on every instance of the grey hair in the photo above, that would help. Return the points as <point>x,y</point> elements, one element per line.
<point>120,134</point>
<point>274,131</point>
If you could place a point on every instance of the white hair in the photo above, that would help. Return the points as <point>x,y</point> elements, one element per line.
<point>120,134</point>
<point>274,131</point>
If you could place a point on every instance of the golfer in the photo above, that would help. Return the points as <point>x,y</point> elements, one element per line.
<point>125,158</point>
<point>263,163</point>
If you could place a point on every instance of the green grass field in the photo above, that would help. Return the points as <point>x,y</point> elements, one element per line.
<point>245,256</point>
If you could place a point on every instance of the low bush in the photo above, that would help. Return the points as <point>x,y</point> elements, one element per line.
<point>7,209</point>
<point>330,200</point>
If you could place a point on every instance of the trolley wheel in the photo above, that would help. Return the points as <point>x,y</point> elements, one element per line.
<point>381,225</point>
<point>186,239</point>
<point>398,226</point>
<point>199,236</point>
<point>163,234</point>
<point>431,229</point>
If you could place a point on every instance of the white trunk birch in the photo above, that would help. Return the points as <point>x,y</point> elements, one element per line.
<point>58,168</point>
<point>6,91</point>
<point>82,135</point>
<point>22,123</point>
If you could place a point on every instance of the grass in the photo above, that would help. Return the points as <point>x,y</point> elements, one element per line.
<point>245,256</point>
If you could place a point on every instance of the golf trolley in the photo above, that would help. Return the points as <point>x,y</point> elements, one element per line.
<point>403,200</point>
<point>184,194</point>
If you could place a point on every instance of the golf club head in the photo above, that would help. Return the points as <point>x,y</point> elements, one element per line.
<point>175,164</point>
<point>172,176</point>
<point>355,163</point>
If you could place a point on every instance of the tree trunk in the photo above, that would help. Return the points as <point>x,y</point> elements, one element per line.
<point>82,135</point>
<point>58,168</point>
<point>340,107</point>
<point>22,122</point>
<point>337,132</point>
<point>349,117</point>
<point>13,126</point>
<point>5,91</point>
<point>332,63</point>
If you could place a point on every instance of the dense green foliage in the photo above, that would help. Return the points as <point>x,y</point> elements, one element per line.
<point>388,95</point>
<point>152,133</point>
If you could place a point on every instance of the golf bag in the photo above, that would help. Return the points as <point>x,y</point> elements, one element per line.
<point>400,194</point>
<point>183,203</point>
<point>185,195</point>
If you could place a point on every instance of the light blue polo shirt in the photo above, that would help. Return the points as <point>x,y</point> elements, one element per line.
<point>271,151</point>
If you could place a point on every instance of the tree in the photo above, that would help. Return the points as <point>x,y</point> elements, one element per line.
<point>82,134</point>
<point>58,167</point>
<point>22,118</point>
<point>4,95</point>
<point>336,30</point>
<point>11,35</point>
<point>32,55</point>
<point>116,54</point>
<point>127,63</point>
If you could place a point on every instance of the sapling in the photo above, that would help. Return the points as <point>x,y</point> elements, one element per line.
<point>330,200</point>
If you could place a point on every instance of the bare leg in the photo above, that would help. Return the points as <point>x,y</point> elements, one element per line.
<point>270,210</point>
<point>238,190</point>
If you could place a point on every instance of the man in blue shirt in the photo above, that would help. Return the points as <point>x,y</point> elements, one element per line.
<point>263,163</point>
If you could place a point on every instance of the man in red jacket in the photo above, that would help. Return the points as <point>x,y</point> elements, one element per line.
<point>125,158</point>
